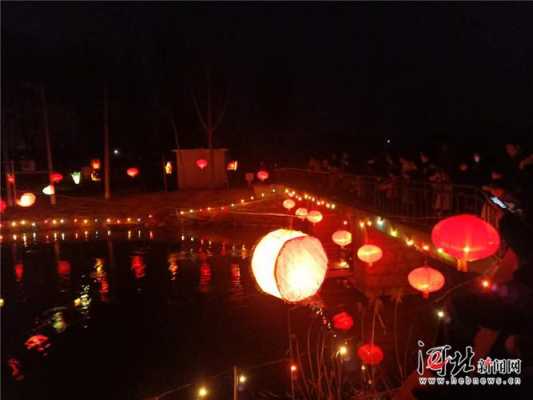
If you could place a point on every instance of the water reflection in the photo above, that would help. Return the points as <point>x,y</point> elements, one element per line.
<point>205,277</point>
<point>137,266</point>
<point>173,265</point>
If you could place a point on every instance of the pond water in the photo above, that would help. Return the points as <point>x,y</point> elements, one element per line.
<point>133,314</point>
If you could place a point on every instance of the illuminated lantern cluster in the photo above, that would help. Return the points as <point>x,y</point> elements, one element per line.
<point>289,265</point>
<point>426,279</point>
<point>369,253</point>
<point>314,216</point>
<point>342,321</point>
<point>301,213</point>
<point>342,238</point>
<point>289,204</point>
<point>370,354</point>
<point>76,177</point>
<point>56,177</point>
<point>132,172</point>
<point>262,175</point>
<point>232,165</point>
<point>201,163</point>
<point>466,237</point>
<point>27,200</point>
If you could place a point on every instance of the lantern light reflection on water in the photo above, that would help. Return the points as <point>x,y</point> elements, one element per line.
<point>289,265</point>
<point>262,175</point>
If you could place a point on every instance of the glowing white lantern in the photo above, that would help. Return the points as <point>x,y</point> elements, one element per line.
<point>289,265</point>
<point>76,177</point>
<point>49,190</point>
<point>26,200</point>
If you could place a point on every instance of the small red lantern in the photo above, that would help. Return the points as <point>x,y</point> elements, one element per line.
<point>262,175</point>
<point>201,163</point>
<point>63,268</point>
<point>370,354</point>
<point>3,206</point>
<point>132,171</point>
<point>426,280</point>
<point>369,253</point>
<point>56,177</point>
<point>343,321</point>
<point>11,178</point>
<point>19,272</point>
<point>37,342</point>
<point>301,213</point>
<point>314,216</point>
<point>289,204</point>
<point>95,163</point>
<point>342,238</point>
<point>466,237</point>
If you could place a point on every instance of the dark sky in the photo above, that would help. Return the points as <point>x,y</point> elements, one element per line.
<point>336,74</point>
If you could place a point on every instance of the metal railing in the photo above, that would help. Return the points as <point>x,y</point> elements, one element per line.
<point>421,203</point>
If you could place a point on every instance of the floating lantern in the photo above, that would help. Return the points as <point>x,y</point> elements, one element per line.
<point>168,168</point>
<point>289,204</point>
<point>201,163</point>
<point>232,165</point>
<point>132,171</point>
<point>369,253</point>
<point>342,238</point>
<point>262,175</point>
<point>370,354</point>
<point>301,213</point>
<point>95,163</point>
<point>342,321</point>
<point>76,177</point>
<point>426,279</point>
<point>11,178</point>
<point>27,200</point>
<point>49,190</point>
<point>289,265</point>
<point>3,205</point>
<point>56,177</point>
<point>466,237</point>
<point>314,217</point>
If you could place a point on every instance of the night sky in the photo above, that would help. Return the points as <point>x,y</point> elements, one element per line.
<point>299,77</point>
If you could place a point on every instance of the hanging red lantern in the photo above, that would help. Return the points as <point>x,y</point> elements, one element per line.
<point>289,204</point>
<point>342,238</point>
<point>132,172</point>
<point>201,163</point>
<point>27,200</point>
<point>19,272</point>
<point>301,213</point>
<point>63,268</point>
<point>95,163</point>
<point>426,279</point>
<point>262,175</point>
<point>369,253</point>
<point>56,177</point>
<point>466,237</point>
<point>11,178</point>
<point>342,321</point>
<point>3,206</point>
<point>314,216</point>
<point>289,265</point>
<point>232,165</point>
<point>370,354</point>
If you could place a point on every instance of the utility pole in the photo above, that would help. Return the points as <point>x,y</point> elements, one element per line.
<point>235,383</point>
<point>48,147</point>
<point>107,190</point>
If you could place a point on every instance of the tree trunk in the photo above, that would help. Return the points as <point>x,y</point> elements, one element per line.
<point>107,186</point>
<point>44,106</point>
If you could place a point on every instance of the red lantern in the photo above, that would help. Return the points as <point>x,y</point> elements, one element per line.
<point>63,268</point>
<point>289,204</point>
<point>132,171</point>
<point>3,206</point>
<point>301,213</point>
<point>37,342</point>
<point>201,163</point>
<point>370,354</point>
<point>95,163</point>
<point>289,265</point>
<point>426,280</point>
<point>466,237</point>
<point>343,321</point>
<point>342,238</point>
<point>56,177</point>
<point>11,178</point>
<point>369,253</point>
<point>262,175</point>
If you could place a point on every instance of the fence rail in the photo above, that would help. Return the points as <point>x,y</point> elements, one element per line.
<point>420,203</point>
